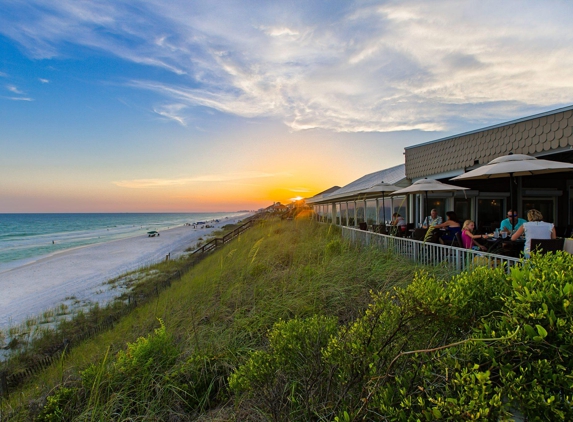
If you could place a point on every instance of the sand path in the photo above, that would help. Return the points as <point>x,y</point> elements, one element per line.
<point>81,273</point>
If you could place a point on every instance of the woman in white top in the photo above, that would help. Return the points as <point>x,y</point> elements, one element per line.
<point>535,228</point>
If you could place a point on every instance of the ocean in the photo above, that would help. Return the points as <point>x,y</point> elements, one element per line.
<point>27,237</point>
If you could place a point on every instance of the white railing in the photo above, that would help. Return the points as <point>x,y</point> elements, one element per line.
<point>429,253</point>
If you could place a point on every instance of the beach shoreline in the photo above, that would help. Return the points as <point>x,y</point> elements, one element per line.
<point>82,272</point>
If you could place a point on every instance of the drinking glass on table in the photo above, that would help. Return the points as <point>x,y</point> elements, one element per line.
<point>503,234</point>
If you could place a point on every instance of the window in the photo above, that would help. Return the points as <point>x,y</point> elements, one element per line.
<point>545,206</point>
<point>350,213</point>
<point>328,216</point>
<point>385,210</point>
<point>490,212</point>
<point>439,204</point>
<point>462,208</point>
<point>343,214</point>
<point>371,211</point>
<point>399,205</point>
<point>359,212</point>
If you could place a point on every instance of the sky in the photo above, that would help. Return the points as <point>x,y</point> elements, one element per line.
<point>190,106</point>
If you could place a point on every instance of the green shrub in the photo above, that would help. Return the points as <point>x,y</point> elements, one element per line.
<point>287,379</point>
<point>484,345</point>
<point>59,406</point>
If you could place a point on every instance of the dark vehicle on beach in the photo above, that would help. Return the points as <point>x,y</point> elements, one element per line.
<point>152,233</point>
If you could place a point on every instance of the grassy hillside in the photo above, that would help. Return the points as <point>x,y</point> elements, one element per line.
<point>291,323</point>
<point>224,306</point>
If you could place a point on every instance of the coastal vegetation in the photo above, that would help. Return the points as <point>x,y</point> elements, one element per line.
<point>290,322</point>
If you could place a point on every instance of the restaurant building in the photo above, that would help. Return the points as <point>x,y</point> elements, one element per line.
<point>547,135</point>
<point>352,205</point>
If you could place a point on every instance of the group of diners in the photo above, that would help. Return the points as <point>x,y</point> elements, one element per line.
<point>512,226</point>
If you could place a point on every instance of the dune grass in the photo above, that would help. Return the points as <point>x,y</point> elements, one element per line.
<point>219,312</point>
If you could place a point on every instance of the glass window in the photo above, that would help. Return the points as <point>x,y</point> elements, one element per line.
<point>545,206</point>
<point>338,222</point>
<point>490,212</point>
<point>350,214</point>
<point>399,205</point>
<point>462,208</point>
<point>343,213</point>
<point>329,213</point>
<point>371,211</point>
<point>439,204</point>
<point>385,210</point>
<point>359,212</point>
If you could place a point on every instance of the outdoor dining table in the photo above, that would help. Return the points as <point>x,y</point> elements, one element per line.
<point>508,247</point>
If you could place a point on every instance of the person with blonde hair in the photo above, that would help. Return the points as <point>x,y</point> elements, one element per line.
<point>535,228</point>
<point>469,238</point>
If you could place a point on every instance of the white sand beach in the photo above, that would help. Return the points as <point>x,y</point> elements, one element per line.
<point>82,273</point>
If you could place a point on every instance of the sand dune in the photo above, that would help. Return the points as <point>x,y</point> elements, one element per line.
<point>81,273</point>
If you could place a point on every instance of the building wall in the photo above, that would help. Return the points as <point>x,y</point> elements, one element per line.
<point>550,132</point>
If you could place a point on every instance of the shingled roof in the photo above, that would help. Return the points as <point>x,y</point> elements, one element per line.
<point>533,135</point>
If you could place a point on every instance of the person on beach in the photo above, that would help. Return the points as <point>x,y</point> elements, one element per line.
<point>432,219</point>
<point>511,223</point>
<point>453,226</point>
<point>469,238</point>
<point>535,228</point>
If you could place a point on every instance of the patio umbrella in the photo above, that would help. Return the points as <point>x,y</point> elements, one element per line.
<point>382,187</point>
<point>425,186</point>
<point>513,165</point>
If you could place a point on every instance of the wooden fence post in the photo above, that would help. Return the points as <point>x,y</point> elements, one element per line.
<point>3,385</point>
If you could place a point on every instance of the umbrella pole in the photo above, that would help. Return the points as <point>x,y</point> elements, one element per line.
<point>425,208</point>
<point>383,208</point>
<point>513,210</point>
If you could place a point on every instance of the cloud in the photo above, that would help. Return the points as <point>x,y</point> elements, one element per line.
<point>13,89</point>
<point>3,75</point>
<point>339,66</point>
<point>19,98</point>
<point>44,81</point>
<point>172,112</point>
<point>223,177</point>
<point>299,190</point>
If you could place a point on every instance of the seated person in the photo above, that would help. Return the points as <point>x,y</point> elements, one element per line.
<point>398,221</point>
<point>506,225</point>
<point>535,228</point>
<point>469,238</point>
<point>432,219</point>
<point>452,224</point>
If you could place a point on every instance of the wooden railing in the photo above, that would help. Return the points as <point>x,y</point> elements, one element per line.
<point>429,253</point>
<point>220,241</point>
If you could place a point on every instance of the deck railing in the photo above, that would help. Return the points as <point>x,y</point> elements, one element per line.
<point>220,241</point>
<point>429,253</point>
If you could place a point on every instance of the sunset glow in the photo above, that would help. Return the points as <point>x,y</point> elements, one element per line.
<point>190,106</point>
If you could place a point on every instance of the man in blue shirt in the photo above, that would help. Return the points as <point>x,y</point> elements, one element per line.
<point>432,219</point>
<point>506,225</point>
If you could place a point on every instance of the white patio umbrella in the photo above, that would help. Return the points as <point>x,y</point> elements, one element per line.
<point>514,165</point>
<point>425,186</point>
<point>382,188</point>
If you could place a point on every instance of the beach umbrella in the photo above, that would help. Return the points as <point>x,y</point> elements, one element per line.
<point>382,188</point>
<point>425,186</point>
<point>513,165</point>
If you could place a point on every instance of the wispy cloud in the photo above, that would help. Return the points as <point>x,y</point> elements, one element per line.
<point>44,81</point>
<point>223,177</point>
<point>342,66</point>
<point>13,89</point>
<point>18,98</point>
<point>172,112</point>
<point>299,190</point>
<point>3,75</point>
